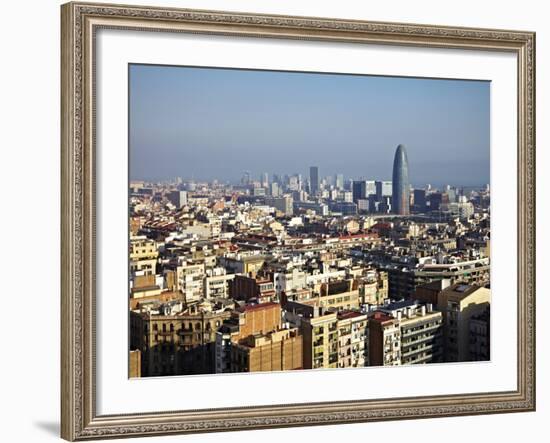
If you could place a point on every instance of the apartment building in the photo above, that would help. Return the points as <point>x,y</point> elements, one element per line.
<point>190,277</point>
<point>421,331</point>
<point>178,344</point>
<point>320,338</point>
<point>260,289</point>
<point>143,256</point>
<point>384,340</point>
<point>403,281</point>
<point>217,284</point>
<point>352,339</point>
<point>336,295</point>
<point>480,336</point>
<point>275,351</point>
<point>459,303</point>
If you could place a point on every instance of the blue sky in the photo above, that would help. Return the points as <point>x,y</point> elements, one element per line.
<point>211,123</point>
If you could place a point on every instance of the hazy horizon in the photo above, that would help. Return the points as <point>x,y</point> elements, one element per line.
<point>213,123</point>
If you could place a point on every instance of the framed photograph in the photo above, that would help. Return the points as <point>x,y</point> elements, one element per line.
<point>275,221</point>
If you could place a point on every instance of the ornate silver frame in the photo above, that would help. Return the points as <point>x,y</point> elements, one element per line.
<point>79,420</point>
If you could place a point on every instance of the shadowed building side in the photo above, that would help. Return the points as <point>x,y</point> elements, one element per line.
<point>400,182</point>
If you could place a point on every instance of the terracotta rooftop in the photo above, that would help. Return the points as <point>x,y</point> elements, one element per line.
<point>380,316</point>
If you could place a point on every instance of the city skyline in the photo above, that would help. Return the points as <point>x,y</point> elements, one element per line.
<point>293,227</point>
<point>164,128</point>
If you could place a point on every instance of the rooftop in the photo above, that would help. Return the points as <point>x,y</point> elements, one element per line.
<point>461,290</point>
<point>381,317</point>
<point>145,288</point>
<point>258,307</point>
<point>396,305</point>
<point>344,315</point>
<point>436,285</point>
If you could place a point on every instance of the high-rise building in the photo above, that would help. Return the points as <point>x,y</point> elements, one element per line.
<point>245,179</point>
<point>370,188</point>
<point>283,204</point>
<point>400,179</point>
<point>274,189</point>
<point>314,179</point>
<point>383,189</point>
<point>436,199</point>
<point>451,192</point>
<point>420,200</point>
<point>177,198</point>
<point>358,190</point>
<point>347,196</point>
<point>339,181</point>
<point>362,189</point>
<point>363,206</point>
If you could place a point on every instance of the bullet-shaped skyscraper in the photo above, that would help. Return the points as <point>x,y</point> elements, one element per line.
<point>400,182</point>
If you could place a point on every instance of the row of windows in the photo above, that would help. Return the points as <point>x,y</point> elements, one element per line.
<point>198,326</point>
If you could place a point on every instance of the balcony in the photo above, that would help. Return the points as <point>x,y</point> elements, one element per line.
<point>423,359</point>
<point>411,342</point>
<point>418,350</point>
<point>420,331</point>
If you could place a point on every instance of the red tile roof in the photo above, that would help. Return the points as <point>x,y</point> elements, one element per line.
<point>381,316</point>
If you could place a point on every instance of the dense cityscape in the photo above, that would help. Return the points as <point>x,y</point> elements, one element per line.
<point>286,271</point>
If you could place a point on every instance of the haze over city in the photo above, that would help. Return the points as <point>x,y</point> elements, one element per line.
<point>207,124</point>
<point>288,221</point>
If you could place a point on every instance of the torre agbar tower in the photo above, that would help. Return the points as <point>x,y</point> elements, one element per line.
<point>400,183</point>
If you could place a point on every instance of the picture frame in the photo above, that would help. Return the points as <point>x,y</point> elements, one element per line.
<point>79,240</point>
